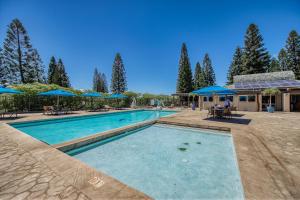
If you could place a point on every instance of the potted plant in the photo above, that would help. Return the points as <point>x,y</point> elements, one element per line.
<point>270,92</point>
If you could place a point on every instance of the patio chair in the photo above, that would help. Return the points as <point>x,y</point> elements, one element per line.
<point>66,111</point>
<point>211,112</point>
<point>48,110</point>
<point>227,113</point>
<point>233,108</point>
<point>2,112</point>
<point>13,113</point>
<point>108,107</point>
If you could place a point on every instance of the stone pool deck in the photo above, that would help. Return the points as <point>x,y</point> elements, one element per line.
<point>267,146</point>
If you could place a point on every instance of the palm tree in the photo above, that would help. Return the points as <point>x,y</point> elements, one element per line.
<point>270,92</point>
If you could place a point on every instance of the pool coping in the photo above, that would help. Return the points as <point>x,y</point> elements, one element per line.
<point>58,117</point>
<point>73,144</point>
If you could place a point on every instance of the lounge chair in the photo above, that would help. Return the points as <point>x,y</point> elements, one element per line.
<point>9,114</point>
<point>48,110</point>
<point>66,111</point>
<point>108,107</point>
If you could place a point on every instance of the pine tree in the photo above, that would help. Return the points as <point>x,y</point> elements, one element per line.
<point>185,77</point>
<point>35,68</point>
<point>118,79</point>
<point>236,66</point>
<point>51,71</point>
<point>198,77</point>
<point>293,53</point>
<point>96,78</point>
<point>274,65</point>
<point>104,83</point>
<point>209,74</point>
<point>3,69</point>
<point>257,59</point>
<point>99,82</point>
<point>282,58</point>
<point>16,50</point>
<point>64,78</point>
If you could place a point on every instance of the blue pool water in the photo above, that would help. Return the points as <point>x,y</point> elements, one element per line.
<point>168,162</point>
<point>56,131</point>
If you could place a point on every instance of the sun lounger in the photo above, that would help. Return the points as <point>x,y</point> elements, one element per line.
<point>108,107</point>
<point>9,114</point>
<point>48,110</point>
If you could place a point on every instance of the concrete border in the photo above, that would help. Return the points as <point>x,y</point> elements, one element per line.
<point>217,128</point>
<point>73,144</point>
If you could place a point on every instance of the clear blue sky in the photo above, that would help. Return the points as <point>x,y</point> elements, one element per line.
<point>148,34</point>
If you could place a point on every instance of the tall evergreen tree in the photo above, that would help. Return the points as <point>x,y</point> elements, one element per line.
<point>198,77</point>
<point>3,69</point>
<point>118,79</point>
<point>104,83</point>
<point>236,66</point>
<point>16,50</point>
<point>35,68</point>
<point>51,71</point>
<point>282,58</point>
<point>257,59</point>
<point>185,77</point>
<point>209,74</point>
<point>64,78</point>
<point>293,53</point>
<point>274,65</point>
<point>96,78</point>
<point>99,82</point>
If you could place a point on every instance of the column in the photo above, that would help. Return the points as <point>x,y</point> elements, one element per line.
<point>259,102</point>
<point>286,102</point>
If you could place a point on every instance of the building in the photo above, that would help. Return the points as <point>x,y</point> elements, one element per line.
<point>249,92</point>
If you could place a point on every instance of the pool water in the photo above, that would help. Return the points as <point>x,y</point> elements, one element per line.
<point>57,131</point>
<point>169,162</point>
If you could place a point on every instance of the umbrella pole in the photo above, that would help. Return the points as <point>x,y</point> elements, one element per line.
<point>57,102</point>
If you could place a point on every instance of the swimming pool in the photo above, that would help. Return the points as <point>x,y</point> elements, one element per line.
<point>169,162</point>
<point>57,131</point>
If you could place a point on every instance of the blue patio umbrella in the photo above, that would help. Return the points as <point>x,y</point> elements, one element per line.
<point>117,96</point>
<point>214,90</point>
<point>4,90</point>
<point>9,91</point>
<point>58,93</point>
<point>92,94</point>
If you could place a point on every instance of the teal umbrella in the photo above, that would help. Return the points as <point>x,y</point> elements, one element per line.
<point>9,91</point>
<point>116,96</point>
<point>92,94</point>
<point>57,93</point>
<point>212,90</point>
